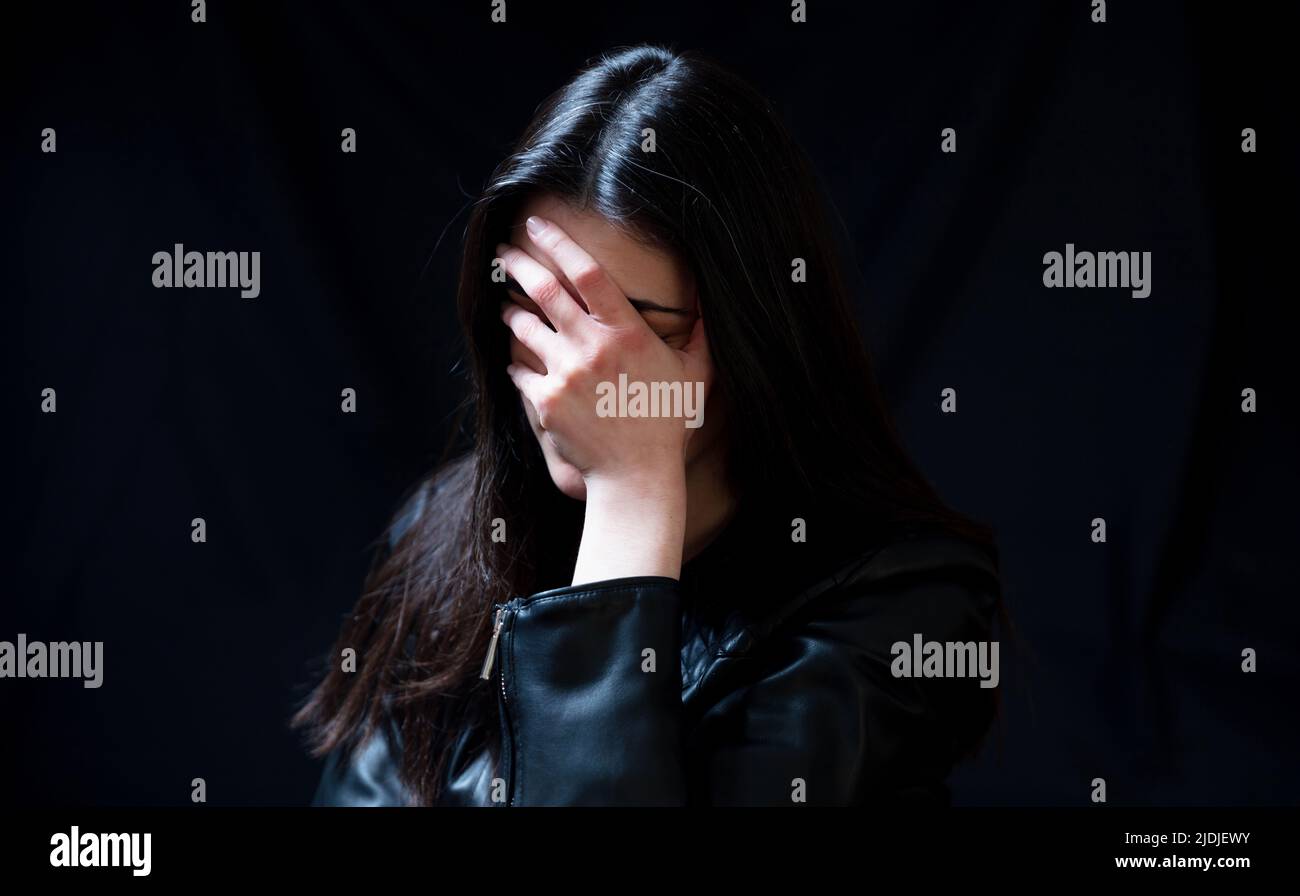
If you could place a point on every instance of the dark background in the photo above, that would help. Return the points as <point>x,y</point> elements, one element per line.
<point>1073,404</point>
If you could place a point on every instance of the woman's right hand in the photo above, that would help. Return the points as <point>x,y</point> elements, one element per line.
<point>584,356</point>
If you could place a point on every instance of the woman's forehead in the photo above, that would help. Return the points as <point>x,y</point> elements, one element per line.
<point>638,270</point>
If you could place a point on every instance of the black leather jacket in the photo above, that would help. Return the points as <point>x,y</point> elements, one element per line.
<point>740,684</point>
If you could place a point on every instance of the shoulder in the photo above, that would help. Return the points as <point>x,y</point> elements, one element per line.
<point>936,579</point>
<point>409,512</point>
<point>442,488</point>
<point>915,579</point>
<point>933,554</point>
<point>913,623</point>
<point>824,671</point>
<point>917,617</point>
<point>366,775</point>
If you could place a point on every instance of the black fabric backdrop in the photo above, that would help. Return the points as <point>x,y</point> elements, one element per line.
<point>1072,404</point>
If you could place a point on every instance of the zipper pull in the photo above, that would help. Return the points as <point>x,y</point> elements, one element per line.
<point>492,645</point>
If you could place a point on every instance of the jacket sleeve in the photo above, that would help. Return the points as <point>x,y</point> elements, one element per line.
<point>812,713</point>
<point>367,777</point>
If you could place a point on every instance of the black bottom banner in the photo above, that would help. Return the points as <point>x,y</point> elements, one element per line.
<point>228,845</point>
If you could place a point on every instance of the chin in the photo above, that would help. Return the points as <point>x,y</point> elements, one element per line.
<point>568,480</point>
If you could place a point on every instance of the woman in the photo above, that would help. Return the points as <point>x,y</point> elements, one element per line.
<point>596,605</point>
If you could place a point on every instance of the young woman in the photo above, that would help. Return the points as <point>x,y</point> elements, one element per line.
<point>596,605</point>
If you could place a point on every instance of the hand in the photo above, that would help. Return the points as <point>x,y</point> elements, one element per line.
<point>597,336</point>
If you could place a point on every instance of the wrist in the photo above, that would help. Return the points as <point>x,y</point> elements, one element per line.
<point>649,486</point>
<point>633,526</point>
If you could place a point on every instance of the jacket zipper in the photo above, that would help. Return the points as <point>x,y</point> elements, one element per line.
<point>507,743</point>
<point>492,647</point>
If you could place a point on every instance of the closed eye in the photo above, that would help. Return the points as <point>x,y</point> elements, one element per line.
<point>648,310</point>
<point>642,305</point>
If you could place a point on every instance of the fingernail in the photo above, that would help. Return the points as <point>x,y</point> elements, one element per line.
<point>535,226</point>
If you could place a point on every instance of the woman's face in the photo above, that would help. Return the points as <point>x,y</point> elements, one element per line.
<point>657,283</point>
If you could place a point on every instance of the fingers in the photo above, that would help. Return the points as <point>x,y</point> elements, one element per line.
<point>528,382</point>
<point>604,300</point>
<point>522,354</point>
<point>543,288</point>
<point>534,335</point>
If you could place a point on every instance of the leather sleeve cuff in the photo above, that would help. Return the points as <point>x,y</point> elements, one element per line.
<point>591,678</point>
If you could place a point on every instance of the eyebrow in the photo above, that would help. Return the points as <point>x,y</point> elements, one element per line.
<point>638,304</point>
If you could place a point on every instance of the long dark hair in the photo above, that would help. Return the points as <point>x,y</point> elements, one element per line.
<point>730,192</point>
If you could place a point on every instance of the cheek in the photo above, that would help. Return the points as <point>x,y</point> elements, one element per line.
<point>522,354</point>
<point>565,476</point>
<point>528,411</point>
